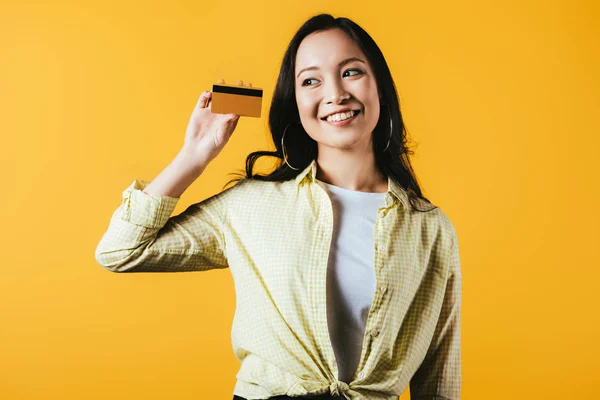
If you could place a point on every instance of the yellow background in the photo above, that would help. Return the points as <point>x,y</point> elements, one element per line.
<point>500,98</point>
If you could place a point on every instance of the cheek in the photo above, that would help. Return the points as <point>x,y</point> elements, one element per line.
<point>371,96</point>
<point>371,93</point>
<point>306,107</point>
<point>373,117</point>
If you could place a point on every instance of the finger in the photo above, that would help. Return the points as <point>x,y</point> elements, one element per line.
<point>239,83</point>
<point>249,84</point>
<point>204,99</point>
<point>221,81</point>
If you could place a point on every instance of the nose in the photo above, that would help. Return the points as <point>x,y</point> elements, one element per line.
<point>335,92</point>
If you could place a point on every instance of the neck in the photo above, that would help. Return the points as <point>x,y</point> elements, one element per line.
<point>348,170</point>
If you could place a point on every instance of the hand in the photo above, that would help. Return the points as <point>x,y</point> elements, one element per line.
<point>207,133</point>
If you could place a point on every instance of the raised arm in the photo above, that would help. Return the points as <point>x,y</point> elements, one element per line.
<point>143,237</point>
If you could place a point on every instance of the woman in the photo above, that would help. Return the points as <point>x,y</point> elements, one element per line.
<point>345,286</point>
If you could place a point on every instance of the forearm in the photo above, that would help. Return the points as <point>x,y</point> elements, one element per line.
<point>177,176</point>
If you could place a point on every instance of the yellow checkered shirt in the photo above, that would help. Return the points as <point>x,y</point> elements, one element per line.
<point>275,239</point>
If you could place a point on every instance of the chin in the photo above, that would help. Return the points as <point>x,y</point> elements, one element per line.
<point>342,142</point>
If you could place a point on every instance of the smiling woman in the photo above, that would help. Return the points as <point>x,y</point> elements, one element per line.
<point>346,177</point>
<point>344,288</point>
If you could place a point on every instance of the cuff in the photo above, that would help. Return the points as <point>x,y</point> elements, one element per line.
<point>144,209</point>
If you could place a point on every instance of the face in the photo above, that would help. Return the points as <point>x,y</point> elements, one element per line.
<point>333,74</point>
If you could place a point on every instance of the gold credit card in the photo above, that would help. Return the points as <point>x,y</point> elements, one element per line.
<point>233,99</point>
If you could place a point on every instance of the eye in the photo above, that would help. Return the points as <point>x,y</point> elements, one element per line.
<point>354,69</point>
<point>348,70</point>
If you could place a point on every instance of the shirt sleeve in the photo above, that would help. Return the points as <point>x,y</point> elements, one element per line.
<point>143,237</point>
<point>439,376</point>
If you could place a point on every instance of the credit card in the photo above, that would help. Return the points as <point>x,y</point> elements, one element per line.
<point>233,99</point>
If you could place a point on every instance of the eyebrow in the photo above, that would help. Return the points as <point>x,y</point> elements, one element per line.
<point>342,63</point>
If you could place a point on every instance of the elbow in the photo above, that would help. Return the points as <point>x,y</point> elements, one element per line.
<point>115,260</point>
<point>109,262</point>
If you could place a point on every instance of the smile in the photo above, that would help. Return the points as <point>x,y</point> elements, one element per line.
<point>344,122</point>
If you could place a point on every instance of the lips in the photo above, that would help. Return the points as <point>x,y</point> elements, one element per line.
<point>342,123</point>
<point>356,112</point>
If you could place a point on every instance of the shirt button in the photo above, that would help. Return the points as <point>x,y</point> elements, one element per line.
<point>382,213</point>
<point>374,332</point>
<point>383,288</point>
<point>380,247</point>
<point>361,374</point>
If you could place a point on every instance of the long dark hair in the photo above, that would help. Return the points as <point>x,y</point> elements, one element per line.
<point>301,149</point>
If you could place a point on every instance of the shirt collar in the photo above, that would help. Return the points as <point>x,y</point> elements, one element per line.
<point>394,189</point>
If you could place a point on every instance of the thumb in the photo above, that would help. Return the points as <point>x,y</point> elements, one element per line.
<point>203,99</point>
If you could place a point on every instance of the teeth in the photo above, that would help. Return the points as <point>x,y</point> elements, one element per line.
<point>340,116</point>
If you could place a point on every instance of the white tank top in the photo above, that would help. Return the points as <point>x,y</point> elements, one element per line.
<point>350,272</point>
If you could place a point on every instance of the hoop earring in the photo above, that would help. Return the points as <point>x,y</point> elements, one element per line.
<point>283,149</point>
<point>390,138</point>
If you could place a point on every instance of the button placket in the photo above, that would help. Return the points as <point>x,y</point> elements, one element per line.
<point>326,231</point>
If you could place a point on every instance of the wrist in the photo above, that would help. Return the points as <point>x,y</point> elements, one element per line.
<point>188,162</point>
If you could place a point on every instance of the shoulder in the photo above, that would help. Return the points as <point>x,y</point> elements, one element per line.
<point>437,230</point>
<point>443,222</point>
<point>248,187</point>
<point>448,238</point>
<point>254,192</point>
